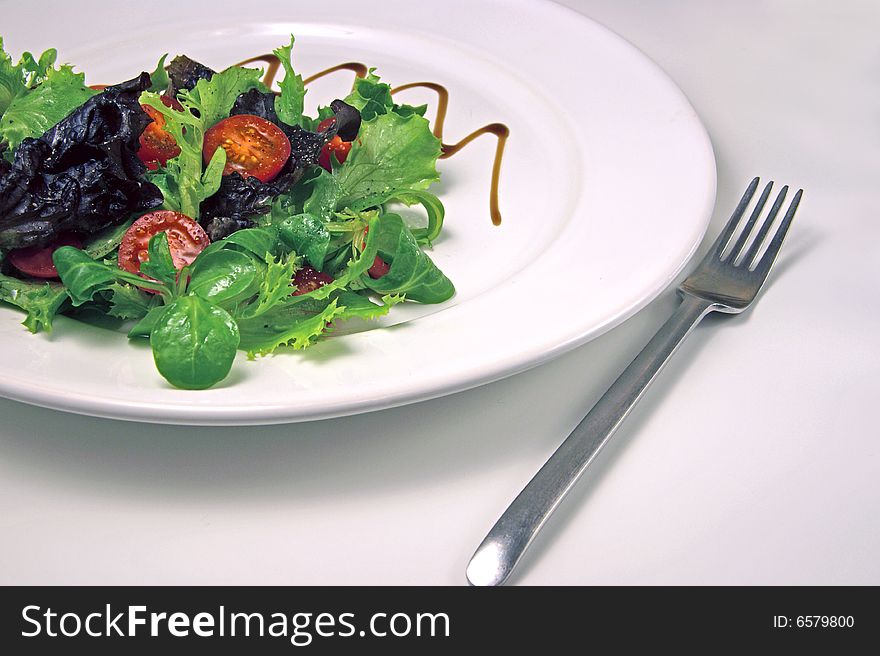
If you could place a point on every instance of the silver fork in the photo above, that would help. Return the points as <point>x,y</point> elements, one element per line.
<point>727,280</point>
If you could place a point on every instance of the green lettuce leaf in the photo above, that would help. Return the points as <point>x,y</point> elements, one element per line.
<point>14,80</point>
<point>306,235</point>
<point>373,97</point>
<point>412,272</point>
<point>183,183</point>
<point>129,302</point>
<point>370,96</point>
<point>289,104</point>
<point>296,325</point>
<point>357,305</point>
<point>31,112</point>
<point>275,286</point>
<point>40,300</point>
<point>194,342</point>
<point>213,99</point>
<point>392,153</point>
<point>159,77</point>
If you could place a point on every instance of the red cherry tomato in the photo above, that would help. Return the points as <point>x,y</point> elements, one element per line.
<point>253,145</point>
<point>157,145</point>
<point>380,268</point>
<point>308,280</point>
<point>186,239</point>
<point>336,146</point>
<point>36,261</point>
<point>324,125</point>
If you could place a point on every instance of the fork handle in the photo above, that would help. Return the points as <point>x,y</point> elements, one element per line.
<point>512,534</point>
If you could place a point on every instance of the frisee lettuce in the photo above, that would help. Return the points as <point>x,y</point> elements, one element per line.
<point>34,95</point>
<point>183,183</point>
<point>289,103</point>
<point>213,99</point>
<point>40,300</point>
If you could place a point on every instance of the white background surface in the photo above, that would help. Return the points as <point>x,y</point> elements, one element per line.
<point>754,459</point>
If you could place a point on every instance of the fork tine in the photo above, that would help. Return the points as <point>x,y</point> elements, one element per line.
<point>744,235</point>
<point>766,261</point>
<point>730,227</point>
<point>749,257</point>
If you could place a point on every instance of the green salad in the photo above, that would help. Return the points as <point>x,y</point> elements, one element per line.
<point>202,211</point>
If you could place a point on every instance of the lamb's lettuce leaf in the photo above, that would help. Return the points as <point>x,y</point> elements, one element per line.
<point>306,235</point>
<point>159,265</point>
<point>412,272</point>
<point>224,276</point>
<point>83,277</point>
<point>105,242</point>
<point>194,342</point>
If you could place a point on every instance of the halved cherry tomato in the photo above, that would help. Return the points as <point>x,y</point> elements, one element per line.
<point>157,145</point>
<point>36,261</point>
<point>186,239</point>
<point>380,268</point>
<point>308,280</point>
<point>336,146</point>
<point>253,145</point>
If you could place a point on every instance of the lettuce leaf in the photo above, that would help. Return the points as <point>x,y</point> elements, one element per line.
<point>306,235</point>
<point>412,272</point>
<point>129,302</point>
<point>34,95</point>
<point>289,104</point>
<point>194,342</point>
<point>213,99</point>
<point>18,79</point>
<point>40,300</point>
<point>183,184</point>
<point>358,305</point>
<point>373,97</point>
<point>392,153</point>
<point>159,77</point>
<point>370,96</point>
<point>296,325</point>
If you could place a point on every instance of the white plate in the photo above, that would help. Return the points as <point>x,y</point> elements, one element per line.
<point>607,186</point>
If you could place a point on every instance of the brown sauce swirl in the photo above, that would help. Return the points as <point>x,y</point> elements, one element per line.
<point>357,68</point>
<point>499,130</point>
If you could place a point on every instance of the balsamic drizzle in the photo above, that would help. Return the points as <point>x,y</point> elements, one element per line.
<point>499,130</point>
